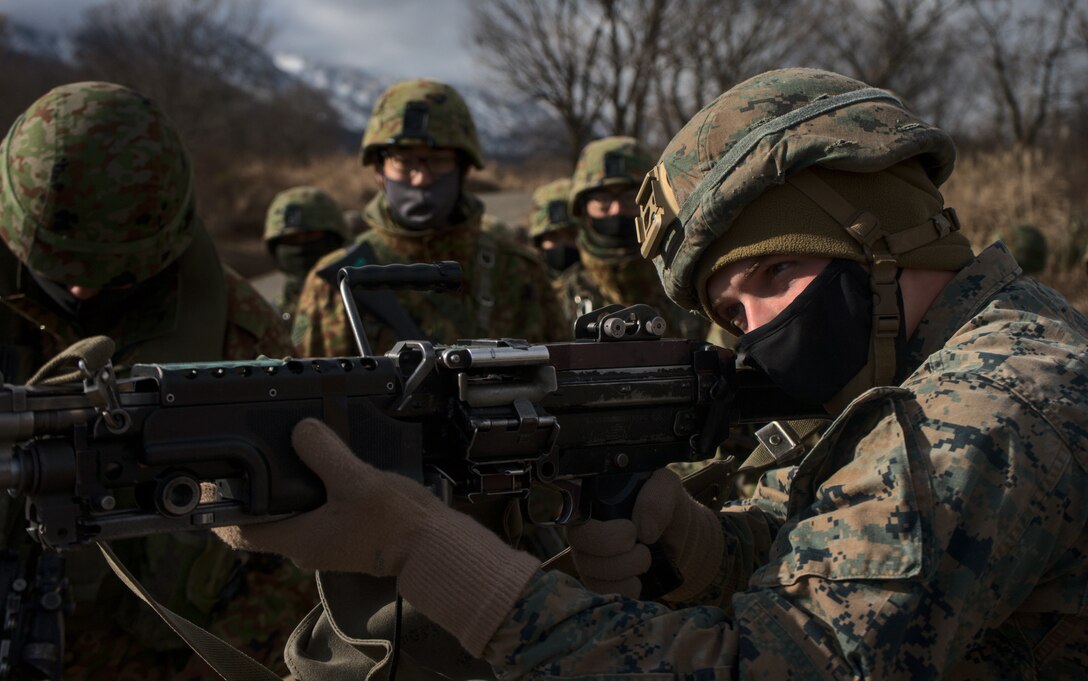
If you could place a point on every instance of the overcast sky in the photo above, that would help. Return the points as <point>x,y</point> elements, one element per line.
<point>399,38</point>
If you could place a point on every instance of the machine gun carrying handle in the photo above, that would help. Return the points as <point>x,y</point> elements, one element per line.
<point>614,497</point>
<point>439,276</point>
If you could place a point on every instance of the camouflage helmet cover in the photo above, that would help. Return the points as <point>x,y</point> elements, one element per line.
<point>421,112</point>
<point>754,136</point>
<point>609,161</point>
<point>549,211</point>
<point>303,209</point>
<point>1027,244</point>
<point>95,187</point>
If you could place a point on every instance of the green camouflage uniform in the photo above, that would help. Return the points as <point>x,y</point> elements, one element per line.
<point>295,211</point>
<point>939,529</point>
<point>524,306</point>
<point>178,304</point>
<point>518,299</point>
<point>355,619</point>
<point>604,275</point>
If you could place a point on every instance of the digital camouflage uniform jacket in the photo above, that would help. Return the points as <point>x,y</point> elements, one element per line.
<point>595,282</point>
<point>937,531</point>
<point>111,634</point>
<point>524,305</point>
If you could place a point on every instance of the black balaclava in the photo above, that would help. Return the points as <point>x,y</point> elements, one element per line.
<point>297,260</point>
<point>616,231</point>
<point>815,346</point>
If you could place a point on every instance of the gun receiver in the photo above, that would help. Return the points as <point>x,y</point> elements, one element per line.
<point>178,447</point>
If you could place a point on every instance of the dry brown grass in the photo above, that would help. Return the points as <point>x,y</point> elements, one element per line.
<point>998,189</point>
<point>233,204</point>
<point>988,190</point>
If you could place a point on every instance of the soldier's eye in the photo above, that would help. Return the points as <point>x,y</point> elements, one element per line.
<point>734,314</point>
<point>777,268</point>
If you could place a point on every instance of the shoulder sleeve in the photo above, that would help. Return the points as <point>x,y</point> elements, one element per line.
<point>933,519</point>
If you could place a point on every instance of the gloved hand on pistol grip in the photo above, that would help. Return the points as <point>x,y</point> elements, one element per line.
<point>611,555</point>
<point>452,569</point>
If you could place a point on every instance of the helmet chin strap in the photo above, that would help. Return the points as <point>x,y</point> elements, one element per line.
<point>865,228</point>
<point>881,251</point>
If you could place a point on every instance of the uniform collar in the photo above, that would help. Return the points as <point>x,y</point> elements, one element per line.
<point>456,242</point>
<point>959,301</point>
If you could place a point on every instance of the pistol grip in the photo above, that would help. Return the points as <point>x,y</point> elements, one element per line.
<point>614,497</point>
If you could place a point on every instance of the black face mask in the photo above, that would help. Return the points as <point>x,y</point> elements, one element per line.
<point>424,208</point>
<point>298,259</point>
<point>107,305</point>
<point>617,231</point>
<point>560,258</point>
<point>815,346</point>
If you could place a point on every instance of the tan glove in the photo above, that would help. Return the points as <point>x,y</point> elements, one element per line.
<point>451,568</point>
<point>611,555</point>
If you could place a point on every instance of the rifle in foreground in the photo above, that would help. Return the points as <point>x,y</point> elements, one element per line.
<point>176,447</point>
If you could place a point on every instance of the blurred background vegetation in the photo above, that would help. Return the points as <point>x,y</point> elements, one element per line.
<point>1009,79</point>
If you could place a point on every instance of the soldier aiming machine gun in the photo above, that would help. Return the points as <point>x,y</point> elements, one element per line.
<point>176,447</point>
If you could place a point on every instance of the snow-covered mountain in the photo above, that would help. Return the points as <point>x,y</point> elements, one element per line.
<point>501,121</point>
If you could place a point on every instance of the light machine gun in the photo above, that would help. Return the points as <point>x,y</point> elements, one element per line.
<point>176,447</point>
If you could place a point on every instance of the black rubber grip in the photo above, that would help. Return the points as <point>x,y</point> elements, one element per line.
<point>614,497</point>
<point>438,276</point>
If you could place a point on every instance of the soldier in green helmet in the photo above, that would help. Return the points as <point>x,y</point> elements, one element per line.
<point>1027,244</point>
<point>610,269</point>
<point>551,229</point>
<point>937,529</point>
<point>303,224</point>
<point>101,237</point>
<point>421,142</point>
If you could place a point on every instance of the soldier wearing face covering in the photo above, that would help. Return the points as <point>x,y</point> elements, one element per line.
<point>552,231</point>
<point>302,225</point>
<point>938,528</point>
<point>422,143</point>
<point>100,234</point>
<point>610,269</point>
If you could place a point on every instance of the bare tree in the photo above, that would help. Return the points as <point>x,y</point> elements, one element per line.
<point>711,45</point>
<point>912,47</point>
<point>635,30</point>
<point>203,62</point>
<point>547,50</point>
<point>1025,46</point>
<point>174,52</point>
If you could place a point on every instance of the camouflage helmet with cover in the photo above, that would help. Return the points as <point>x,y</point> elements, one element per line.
<point>549,209</point>
<point>1027,244</point>
<point>303,209</point>
<point>421,112</point>
<point>96,188</point>
<point>821,138</point>
<point>608,162</point>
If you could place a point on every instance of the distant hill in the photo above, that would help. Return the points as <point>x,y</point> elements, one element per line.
<point>502,122</point>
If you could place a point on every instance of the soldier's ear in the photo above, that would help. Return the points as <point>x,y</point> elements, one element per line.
<point>380,179</point>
